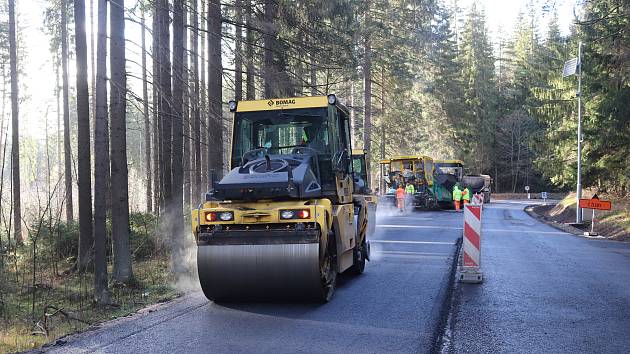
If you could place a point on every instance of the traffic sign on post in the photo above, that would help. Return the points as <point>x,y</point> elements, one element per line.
<point>528,194</point>
<point>570,67</point>
<point>595,203</point>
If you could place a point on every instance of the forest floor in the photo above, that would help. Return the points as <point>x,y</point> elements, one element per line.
<point>613,224</point>
<point>60,304</point>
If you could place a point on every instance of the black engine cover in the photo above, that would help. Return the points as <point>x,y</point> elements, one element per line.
<point>291,176</point>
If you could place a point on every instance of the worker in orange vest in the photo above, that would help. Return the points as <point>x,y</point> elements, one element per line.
<point>466,196</point>
<point>400,197</point>
<point>457,196</point>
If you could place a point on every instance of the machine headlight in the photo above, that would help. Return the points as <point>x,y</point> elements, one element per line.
<point>226,216</point>
<point>232,106</point>
<point>211,216</point>
<point>287,214</point>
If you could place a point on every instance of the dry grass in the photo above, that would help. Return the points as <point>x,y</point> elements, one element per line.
<point>23,329</point>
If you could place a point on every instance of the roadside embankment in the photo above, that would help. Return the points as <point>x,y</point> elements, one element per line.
<point>612,224</point>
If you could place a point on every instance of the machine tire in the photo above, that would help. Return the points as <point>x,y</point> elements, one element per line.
<point>328,271</point>
<point>359,256</point>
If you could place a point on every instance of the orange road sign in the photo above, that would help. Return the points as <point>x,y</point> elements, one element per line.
<point>595,203</point>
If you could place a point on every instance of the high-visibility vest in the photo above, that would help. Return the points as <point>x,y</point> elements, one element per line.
<point>466,194</point>
<point>410,189</point>
<point>457,194</point>
<point>400,193</point>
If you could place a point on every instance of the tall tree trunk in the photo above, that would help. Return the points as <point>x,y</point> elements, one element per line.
<point>367,99</point>
<point>101,161</point>
<point>2,113</point>
<point>353,111</point>
<point>145,110</point>
<point>84,176</point>
<point>204,109</point>
<point>238,51</point>
<point>270,72</point>
<point>196,117</point>
<point>186,118</point>
<point>155,51</point>
<point>15,132</point>
<point>93,64</point>
<point>313,69</point>
<point>3,142</point>
<point>118,145</point>
<point>165,102</point>
<point>249,51</point>
<point>67,152</point>
<point>60,198</point>
<point>215,92</point>
<point>177,219</point>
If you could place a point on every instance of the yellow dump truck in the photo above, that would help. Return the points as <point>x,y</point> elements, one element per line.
<point>285,220</point>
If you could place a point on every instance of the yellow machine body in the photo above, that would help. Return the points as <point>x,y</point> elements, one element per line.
<point>256,252</point>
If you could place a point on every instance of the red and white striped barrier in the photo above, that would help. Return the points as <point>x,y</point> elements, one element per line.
<point>471,267</point>
<point>477,199</point>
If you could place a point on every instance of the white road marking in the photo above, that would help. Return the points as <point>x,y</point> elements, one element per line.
<point>525,231</point>
<point>459,228</point>
<point>413,242</point>
<point>404,217</point>
<point>404,253</point>
<point>418,227</point>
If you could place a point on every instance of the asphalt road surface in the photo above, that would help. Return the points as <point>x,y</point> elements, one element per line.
<point>544,291</point>
<point>395,306</point>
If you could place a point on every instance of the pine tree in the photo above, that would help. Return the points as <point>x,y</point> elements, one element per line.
<point>66,112</point>
<point>176,206</point>
<point>122,271</point>
<point>15,128</point>
<point>101,161</point>
<point>84,170</point>
<point>475,133</point>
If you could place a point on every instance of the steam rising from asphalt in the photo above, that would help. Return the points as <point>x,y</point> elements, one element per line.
<point>181,244</point>
<point>385,210</point>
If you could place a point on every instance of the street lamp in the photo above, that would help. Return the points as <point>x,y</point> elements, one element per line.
<point>574,67</point>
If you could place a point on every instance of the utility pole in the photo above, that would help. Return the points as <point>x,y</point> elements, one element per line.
<point>578,216</point>
<point>574,67</point>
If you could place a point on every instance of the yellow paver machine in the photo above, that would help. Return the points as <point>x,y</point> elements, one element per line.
<point>404,170</point>
<point>285,220</point>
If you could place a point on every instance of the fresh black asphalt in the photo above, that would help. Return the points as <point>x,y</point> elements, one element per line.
<point>544,291</point>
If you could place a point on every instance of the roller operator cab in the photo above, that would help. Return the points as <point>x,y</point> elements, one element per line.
<point>284,221</point>
<point>362,188</point>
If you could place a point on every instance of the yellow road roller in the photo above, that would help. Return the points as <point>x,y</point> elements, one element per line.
<point>283,223</point>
